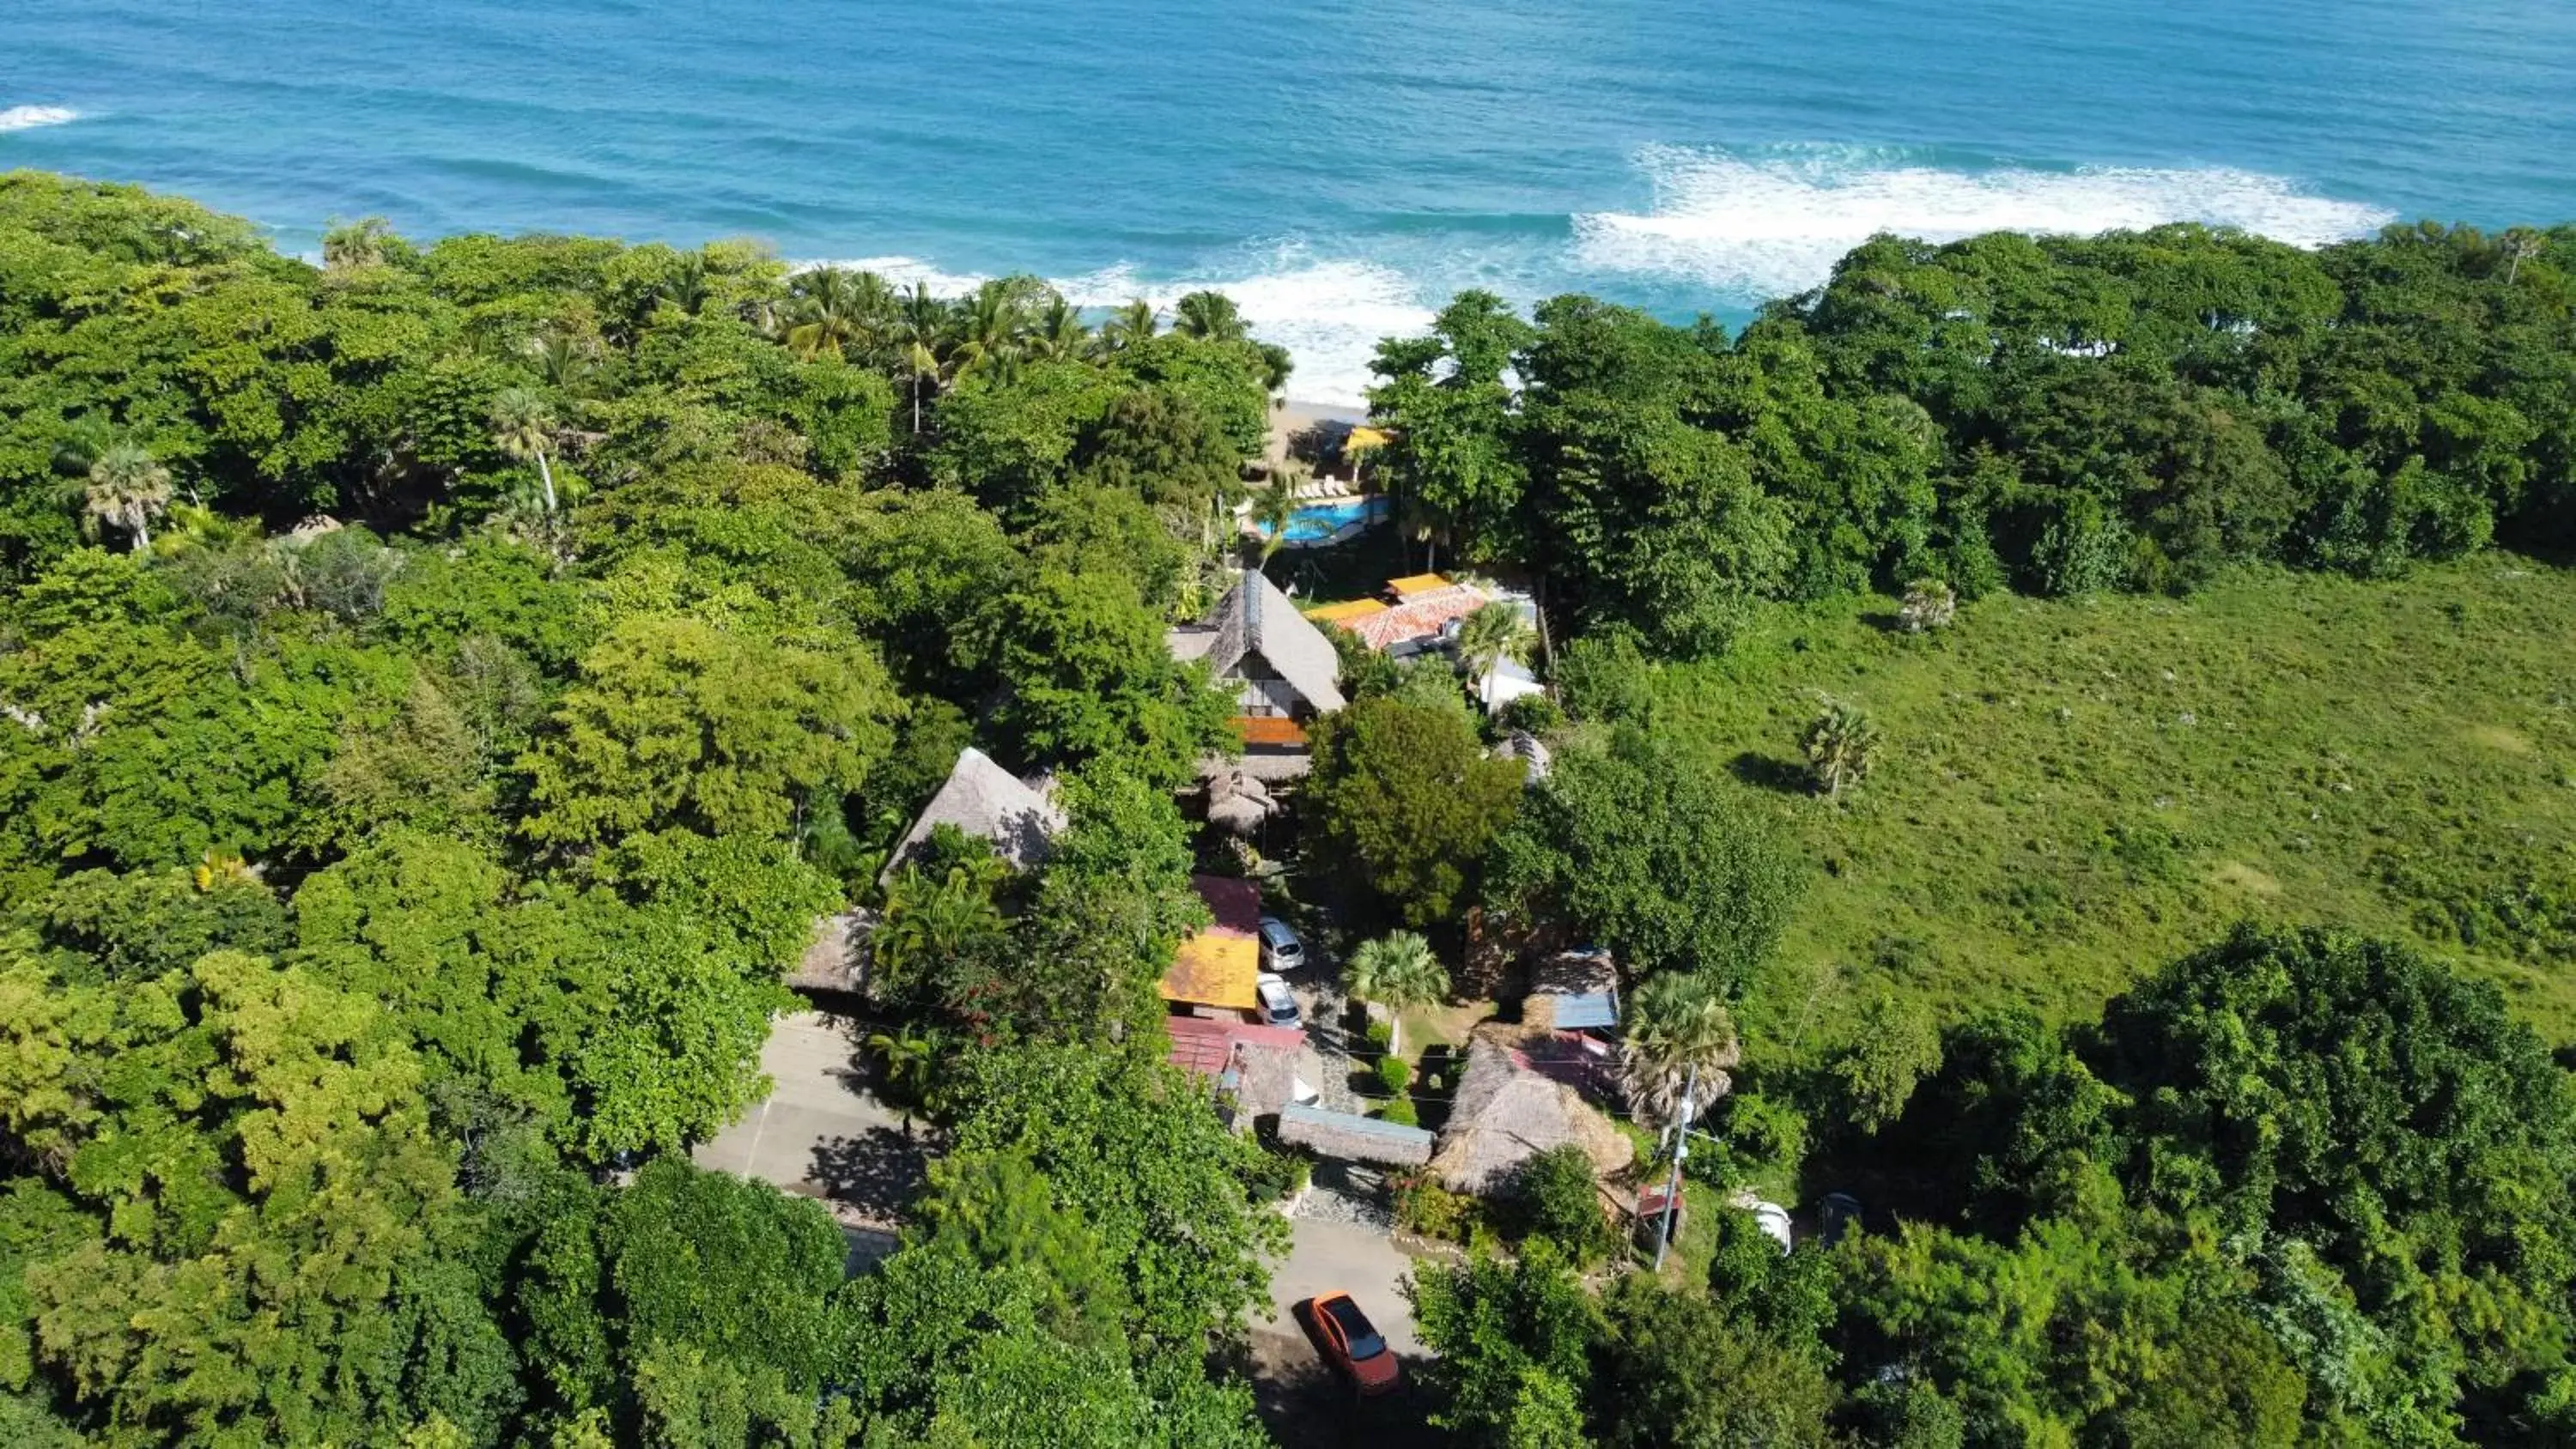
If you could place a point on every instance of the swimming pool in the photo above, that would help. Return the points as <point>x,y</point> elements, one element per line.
<point>1329,522</point>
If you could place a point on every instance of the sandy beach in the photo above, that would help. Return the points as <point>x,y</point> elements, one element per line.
<point>1291,417</point>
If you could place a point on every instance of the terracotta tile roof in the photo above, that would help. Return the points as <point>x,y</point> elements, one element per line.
<point>1418,617</point>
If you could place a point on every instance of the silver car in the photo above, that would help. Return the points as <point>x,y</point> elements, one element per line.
<point>1280,948</point>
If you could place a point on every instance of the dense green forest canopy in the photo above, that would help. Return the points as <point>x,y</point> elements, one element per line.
<point>442,685</point>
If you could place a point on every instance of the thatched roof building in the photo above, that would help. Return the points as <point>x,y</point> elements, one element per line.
<point>984,800</point>
<point>1507,1111</point>
<point>1256,639</point>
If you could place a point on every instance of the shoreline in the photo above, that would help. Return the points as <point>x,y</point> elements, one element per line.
<point>1291,416</point>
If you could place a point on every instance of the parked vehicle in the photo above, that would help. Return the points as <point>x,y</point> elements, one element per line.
<point>1278,1003</point>
<point>1280,948</point>
<point>1353,1344</point>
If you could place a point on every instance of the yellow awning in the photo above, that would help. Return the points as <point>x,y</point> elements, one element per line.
<point>1215,968</point>
<point>1362,440</point>
<point>1345,613</point>
<point>1406,588</point>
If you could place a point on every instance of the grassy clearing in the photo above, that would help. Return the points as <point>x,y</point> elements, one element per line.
<point>2073,792</point>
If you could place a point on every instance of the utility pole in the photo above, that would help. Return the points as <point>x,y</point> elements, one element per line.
<point>1681,1150</point>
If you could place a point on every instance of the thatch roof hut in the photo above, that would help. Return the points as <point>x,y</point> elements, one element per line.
<point>1256,637</point>
<point>984,800</point>
<point>1506,1112</point>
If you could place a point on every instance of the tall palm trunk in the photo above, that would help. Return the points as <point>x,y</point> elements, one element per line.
<point>547,474</point>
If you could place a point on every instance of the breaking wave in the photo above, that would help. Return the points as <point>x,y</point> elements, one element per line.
<point>1763,224</point>
<point>28,118</point>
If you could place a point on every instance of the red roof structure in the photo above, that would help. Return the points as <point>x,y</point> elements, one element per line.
<point>1207,1047</point>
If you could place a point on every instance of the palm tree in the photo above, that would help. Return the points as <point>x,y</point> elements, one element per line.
<point>925,921</point>
<point>1842,745</point>
<point>1396,971</point>
<point>1275,510</point>
<point>562,359</point>
<point>833,311</point>
<point>910,1062</point>
<point>127,490</point>
<point>1211,315</point>
<point>921,326</point>
<point>1057,333</point>
<point>990,328</point>
<point>1486,636</point>
<point>1127,326</point>
<point>1679,1036</point>
<point>2521,244</point>
<point>523,426</point>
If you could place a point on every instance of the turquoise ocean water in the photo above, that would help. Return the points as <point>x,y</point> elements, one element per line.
<point>1338,166</point>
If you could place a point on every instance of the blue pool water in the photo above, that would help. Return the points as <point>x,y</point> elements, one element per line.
<point>1314,523</point>
<point>1339,165</point>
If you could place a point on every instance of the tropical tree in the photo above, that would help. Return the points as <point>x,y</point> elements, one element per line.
<point>127,489</point>
<point>1127,326</point>
<point>1274,510</point>
<point>1211,316</point>
<point>1396,971</point>
<point>1057,333</point>
<point>927,921</point>
<point>1842,746</point>
<point>921,331</point>
<point>1678,1037</point>
<point>1493,633</point>
<point>561,358</point>
<point>989,328</point>
<point>910,1062</point>
<point>523,427</point>
<point>832,311</point>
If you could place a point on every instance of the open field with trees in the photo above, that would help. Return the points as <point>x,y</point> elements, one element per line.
<point>2071,791</point>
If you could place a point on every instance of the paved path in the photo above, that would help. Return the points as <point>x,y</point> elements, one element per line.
<point>821,1133</point>
<point>1304,1403</point>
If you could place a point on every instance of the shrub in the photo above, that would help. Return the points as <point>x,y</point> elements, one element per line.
<point>1394,1073</point>
<point>1535,713</point>
<point>1929,604</point>
<point>1558,1197</point>
<point>1424,1206</point>
<point>1379,1034</point>
<point>1400,1112</point>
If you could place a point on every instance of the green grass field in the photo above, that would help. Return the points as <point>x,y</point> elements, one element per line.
<point>2071,793</point>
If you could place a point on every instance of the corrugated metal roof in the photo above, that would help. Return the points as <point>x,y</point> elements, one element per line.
<point>1588,1010</point>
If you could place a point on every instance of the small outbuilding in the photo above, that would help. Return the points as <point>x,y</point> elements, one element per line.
<point>1507,1111</point>
<point>1573,991</point>
<point>1220,967</point>
<point>1354,1138</point>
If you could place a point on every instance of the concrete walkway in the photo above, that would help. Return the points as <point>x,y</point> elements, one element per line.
<point>821,1133</point>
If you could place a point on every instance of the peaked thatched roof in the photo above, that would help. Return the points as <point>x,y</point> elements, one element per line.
<point>983,799</point>
<point>1254,618</point>
<point>1507,1112</point>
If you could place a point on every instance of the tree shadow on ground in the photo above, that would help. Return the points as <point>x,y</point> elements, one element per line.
<point>877,1172</point>
<point>1763,772</point>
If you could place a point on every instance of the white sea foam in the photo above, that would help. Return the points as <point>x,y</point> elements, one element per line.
<point>1761,226</point>
<point>1329,314</point>
<point>28,118</point>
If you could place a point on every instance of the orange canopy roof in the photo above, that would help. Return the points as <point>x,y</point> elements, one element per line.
<point>1216,967</point>
<point>1345,613</point>
<point>1407,587</point>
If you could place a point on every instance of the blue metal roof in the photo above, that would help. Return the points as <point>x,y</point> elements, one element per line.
<point>1591,1009</point>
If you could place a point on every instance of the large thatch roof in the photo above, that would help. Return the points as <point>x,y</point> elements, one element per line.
<point>1254,618</point>
<point>984,800</point>
<point>1507,1112</point>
